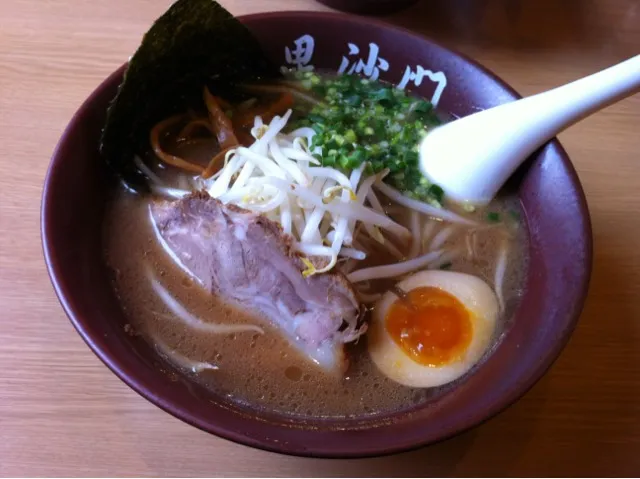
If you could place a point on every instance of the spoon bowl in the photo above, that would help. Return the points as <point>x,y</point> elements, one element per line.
<point>471,158</point>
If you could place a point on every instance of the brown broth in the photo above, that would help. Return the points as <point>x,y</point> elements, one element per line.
<point>265,371</point>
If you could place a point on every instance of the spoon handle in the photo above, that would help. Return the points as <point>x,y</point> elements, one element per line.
<point>496,141</point>
<point>565,105</point>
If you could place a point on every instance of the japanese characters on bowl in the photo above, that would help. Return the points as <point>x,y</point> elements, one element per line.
<point>369,65</point>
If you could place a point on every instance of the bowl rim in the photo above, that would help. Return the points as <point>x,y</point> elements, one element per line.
<point>392,446</point>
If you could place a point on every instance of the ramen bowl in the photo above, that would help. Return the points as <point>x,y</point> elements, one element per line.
<point>560,250</point>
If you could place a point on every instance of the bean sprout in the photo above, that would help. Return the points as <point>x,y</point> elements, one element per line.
<point>415,231</point>
<point>181,312</point>
<point>393,270</point>
<point>321,207</point>
<point>425,208</point>
<point>501,266</point>
<point>441,238</point>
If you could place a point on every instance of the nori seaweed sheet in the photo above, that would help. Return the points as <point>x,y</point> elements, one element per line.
<point>195,43</point>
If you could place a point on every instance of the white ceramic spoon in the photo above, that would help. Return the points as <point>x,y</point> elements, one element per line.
<point>471,158</point>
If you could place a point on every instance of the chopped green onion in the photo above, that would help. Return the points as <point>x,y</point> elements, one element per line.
<point>362,121</point>
<point>437,193</point>
<point>423,107</point>
<point>493,217</point>
<point>350,136</point>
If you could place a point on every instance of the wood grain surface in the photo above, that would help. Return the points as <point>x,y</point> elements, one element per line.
<point>63,413</point>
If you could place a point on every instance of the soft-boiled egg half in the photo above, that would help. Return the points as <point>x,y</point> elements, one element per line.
<point>432,327</point>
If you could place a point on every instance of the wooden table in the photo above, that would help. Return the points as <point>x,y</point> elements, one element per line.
<point>63,413</point>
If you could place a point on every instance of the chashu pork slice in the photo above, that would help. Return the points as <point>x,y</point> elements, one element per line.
<point>245,257</point>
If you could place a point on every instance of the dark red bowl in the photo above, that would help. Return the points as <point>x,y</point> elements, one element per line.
<point>73,203</point>
<point>372,7</point>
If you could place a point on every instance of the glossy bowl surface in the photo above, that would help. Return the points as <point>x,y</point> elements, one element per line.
<point>372,7</point>
<point>75,193</point>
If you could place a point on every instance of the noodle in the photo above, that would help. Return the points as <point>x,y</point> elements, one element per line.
<point>284,102</point>
<point>222,127</point>
<point>192,126</point>
<point>211,167</point>
<point>154,139</point>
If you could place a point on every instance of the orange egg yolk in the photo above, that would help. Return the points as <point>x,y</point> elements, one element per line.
<point>430,325</point>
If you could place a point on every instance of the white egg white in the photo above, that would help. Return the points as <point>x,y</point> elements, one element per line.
<point>476,296</point>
